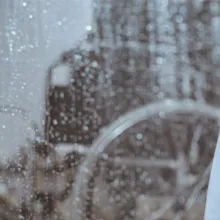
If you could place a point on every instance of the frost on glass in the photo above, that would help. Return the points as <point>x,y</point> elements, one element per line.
<point>130,113</point>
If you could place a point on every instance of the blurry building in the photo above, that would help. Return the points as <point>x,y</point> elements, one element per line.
<point>158,48</point>
<point>154,49</point>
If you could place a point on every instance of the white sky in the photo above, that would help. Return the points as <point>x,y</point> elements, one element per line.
<point>23,66</point>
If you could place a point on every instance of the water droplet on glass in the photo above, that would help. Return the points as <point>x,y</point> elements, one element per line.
<point>88,28</point>
<point>55,122</point>
<point>20,217</point>
<point>59,23</point>
<point>162,114</point>
<point>13,33</point>
<point>139,136</point>
<point>85,128</point>
<point>179,18</point>
<point>160,60</point>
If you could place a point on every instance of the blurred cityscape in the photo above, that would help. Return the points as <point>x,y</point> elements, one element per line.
<point>138,95</point>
